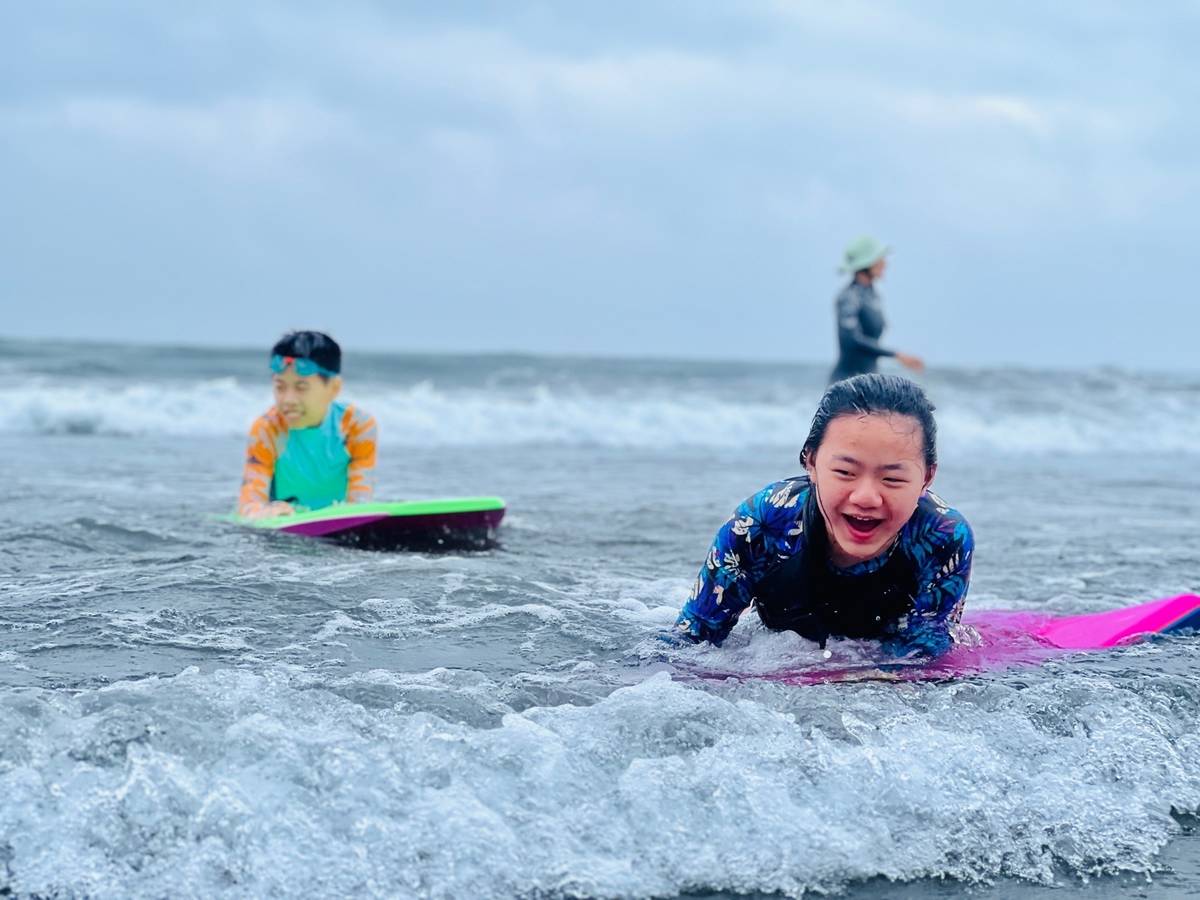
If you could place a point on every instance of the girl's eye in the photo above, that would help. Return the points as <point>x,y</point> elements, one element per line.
<point>844,472</point>
<point>896,480</point>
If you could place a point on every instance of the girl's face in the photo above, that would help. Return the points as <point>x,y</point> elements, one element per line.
<point>869,473</point>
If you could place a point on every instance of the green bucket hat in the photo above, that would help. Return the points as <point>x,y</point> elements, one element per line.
<point>862,253</point>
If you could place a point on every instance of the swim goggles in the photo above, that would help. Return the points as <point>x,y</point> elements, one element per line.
<point>302,365</point>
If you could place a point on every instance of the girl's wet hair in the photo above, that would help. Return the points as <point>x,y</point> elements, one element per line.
<point>873,393</point>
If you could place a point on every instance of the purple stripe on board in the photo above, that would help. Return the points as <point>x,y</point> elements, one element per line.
<point>486,518</point>
<point>330,526</point>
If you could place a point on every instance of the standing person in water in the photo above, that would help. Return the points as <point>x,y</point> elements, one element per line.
<point>860,321</point>
<point>857,547</point>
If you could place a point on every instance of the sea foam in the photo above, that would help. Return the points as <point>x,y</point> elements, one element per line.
<point>1005,418</point>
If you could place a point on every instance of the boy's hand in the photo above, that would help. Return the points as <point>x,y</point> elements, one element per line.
<point>275,508</point>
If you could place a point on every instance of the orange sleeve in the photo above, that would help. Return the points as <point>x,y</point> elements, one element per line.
<point>261,452</point>
<point>361,438</point>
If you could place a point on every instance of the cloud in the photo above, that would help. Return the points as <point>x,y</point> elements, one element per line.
<point>672,150</point>
<point>862,21</point>
<point>954,112</point>
<point>501,79</point>
<point>250,135</point>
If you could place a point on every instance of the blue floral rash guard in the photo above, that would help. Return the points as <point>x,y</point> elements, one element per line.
<point>909,598</point>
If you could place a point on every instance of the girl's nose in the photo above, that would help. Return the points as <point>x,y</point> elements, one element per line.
<point>865,494</point>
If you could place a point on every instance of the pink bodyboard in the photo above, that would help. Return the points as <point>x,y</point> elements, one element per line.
<point>1008,639</point>
<point>1095,631</point>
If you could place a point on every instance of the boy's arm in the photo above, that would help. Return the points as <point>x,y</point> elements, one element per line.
<point>259,469</point>
<point>361,438</point>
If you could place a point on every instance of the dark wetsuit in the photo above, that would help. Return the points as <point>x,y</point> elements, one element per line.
<point>909,597</point>
<point>860,323</point>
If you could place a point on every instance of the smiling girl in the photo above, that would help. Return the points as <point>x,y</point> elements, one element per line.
<point>857,547</point>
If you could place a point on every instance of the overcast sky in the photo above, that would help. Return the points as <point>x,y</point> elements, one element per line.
<point>649,178</point>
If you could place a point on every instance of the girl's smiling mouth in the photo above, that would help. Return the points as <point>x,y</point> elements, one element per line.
<point>861,528</point>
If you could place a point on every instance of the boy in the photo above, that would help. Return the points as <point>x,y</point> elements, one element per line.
<point>308,450</point>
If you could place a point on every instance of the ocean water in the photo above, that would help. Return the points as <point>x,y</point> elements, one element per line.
<point>188,709</point>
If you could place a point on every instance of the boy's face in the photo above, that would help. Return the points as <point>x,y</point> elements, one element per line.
<point>303,399</point>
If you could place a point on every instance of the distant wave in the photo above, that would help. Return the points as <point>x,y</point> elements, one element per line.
<point>1017,418</point>
<point>417,415</point>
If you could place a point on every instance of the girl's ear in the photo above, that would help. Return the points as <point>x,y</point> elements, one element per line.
<point>809,465</point>
<point>929,476</point>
